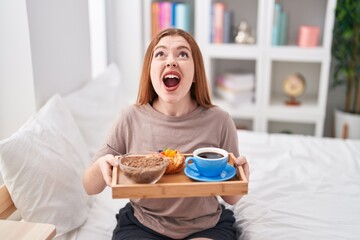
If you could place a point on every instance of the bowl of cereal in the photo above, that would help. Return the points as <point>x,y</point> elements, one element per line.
<point>143,168</point>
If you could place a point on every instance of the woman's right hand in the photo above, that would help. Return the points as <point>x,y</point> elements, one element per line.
<point>98,174</point>
<point>106,164</point>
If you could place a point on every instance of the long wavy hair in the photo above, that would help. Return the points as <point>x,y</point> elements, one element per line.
<point>199,89</point>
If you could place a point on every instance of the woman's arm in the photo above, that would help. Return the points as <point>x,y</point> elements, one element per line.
<point>241,161</point>
<point>98,174</point>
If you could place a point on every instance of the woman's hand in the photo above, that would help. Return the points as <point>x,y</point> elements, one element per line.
<point>98,175</point>
<point>106,163</point>
<point>240,161</point>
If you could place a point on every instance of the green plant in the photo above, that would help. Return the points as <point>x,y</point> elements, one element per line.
<point>346,52</point>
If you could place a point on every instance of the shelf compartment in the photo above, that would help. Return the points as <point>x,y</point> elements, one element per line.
<point>309,13</point>
<point>311,72</point>
<point>291,127</point>
<point>249,14</point>
<point>244,124</point>
<point>233,81</point>
<point>223,65</point>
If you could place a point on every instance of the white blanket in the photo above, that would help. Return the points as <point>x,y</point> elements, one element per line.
<point>300,188</point>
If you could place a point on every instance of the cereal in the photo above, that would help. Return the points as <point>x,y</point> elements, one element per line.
<point>147,169</point>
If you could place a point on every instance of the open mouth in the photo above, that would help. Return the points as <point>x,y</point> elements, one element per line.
<point>171,80</point>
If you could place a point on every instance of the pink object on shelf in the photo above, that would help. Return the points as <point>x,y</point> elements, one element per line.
<point>308,36</point>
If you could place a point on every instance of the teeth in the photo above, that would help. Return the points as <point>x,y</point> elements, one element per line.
<point>171,76</point>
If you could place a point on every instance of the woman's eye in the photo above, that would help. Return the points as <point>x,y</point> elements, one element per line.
<point>159,54</point>
<point>184,55</point>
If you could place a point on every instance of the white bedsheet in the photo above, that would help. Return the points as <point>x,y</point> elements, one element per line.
<point>101,220</point>
<point>300,188</point>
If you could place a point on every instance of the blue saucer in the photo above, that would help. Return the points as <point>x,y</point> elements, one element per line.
<point>228,173</point>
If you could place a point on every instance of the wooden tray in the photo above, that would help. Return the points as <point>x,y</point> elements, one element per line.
<point>179,185</point>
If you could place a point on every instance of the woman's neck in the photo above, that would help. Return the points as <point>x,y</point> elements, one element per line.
<point>175,109</point>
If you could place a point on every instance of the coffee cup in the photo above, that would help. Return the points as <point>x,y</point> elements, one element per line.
<point>209,161</point>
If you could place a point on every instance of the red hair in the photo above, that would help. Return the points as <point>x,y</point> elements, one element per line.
<point>199,89</point>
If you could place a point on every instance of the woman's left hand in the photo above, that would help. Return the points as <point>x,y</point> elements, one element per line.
<point>242,161</point>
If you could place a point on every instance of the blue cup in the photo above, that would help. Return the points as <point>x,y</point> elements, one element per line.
<point>209,161</point>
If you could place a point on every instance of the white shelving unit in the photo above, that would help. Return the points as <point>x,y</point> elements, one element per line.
<point>270,64</point>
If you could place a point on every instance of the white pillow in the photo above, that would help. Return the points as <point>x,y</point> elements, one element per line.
<point>42,166</point>
<point>96,105</point>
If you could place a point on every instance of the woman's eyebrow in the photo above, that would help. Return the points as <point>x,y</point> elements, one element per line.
<point>179,47</point>
<point>159,46</point>
<point>186,47</point>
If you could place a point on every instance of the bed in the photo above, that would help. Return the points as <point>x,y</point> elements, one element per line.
<point>300,187</point>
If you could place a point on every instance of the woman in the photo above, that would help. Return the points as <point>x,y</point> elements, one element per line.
<point>173,110</point>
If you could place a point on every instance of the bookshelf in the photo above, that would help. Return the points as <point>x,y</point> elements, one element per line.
<point>269,63</point>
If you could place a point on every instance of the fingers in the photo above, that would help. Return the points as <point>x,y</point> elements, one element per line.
<point>111,160</point>
<point>114,162</point>
<point>106,164</point>
<point>242,161</point>
<point>246,170</point>
<point>108,178</point>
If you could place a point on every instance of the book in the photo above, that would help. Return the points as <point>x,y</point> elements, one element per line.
<point>173,10</point>
<point>165,15</point>
<point>276,24</point>
<point>182,16</point>
<point>236,81</point>
<point>236,87</point>
<point>154,19</point>
<point>219,9</point>
<point>232,97</point>
<point>228,25</point>
<point>283,28</point>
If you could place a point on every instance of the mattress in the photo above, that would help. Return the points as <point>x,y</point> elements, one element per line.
<point>300,187</point>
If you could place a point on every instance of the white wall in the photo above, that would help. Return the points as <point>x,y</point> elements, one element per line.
<point>17,98</point>
<point>125,41</point>
<point>98,43</point>
<point>45,49</point>
<point>60,45</point>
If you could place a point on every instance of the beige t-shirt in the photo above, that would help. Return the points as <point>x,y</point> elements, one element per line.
<point>142,130</point>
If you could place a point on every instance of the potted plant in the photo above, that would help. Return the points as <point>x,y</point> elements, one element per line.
<point>346,53</point>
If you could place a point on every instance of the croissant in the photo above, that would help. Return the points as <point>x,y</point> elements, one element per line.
<point>176,163</point>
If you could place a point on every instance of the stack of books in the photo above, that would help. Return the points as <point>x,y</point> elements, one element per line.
<point>236,88</point>
<point>170,14</point>
<point>280,25</point>
<point>221,26</point>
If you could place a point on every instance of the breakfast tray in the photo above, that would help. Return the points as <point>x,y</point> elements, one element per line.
<point>179,185</point>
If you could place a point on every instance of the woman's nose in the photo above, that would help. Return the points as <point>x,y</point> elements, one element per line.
<point>171,63</point>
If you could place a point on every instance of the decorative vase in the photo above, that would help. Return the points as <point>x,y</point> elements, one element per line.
<point>347,125</point>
